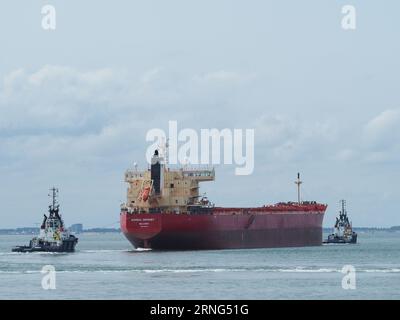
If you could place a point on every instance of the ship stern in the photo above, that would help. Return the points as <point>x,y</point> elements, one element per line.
<point>139,229</point>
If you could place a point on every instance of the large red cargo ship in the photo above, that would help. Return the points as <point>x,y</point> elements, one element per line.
<point>164,211</point>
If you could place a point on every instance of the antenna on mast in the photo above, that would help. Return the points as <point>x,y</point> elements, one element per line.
<point>298,182</point>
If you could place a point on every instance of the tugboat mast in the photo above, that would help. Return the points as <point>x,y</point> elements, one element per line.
<point>298,182</point>
<point>343,206</point>
<point>54,194</point>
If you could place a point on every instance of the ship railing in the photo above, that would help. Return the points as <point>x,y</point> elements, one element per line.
<point>134,174</point>
<point>198,168</point>
<point>131,210</point>
<point>272,209</point>
<point>206,172</point>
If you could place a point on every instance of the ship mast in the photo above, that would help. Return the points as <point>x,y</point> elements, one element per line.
<point>298,182</point>
<point>54,194</point>
<point>343,206</point>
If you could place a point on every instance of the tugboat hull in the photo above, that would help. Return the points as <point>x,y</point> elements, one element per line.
<point>342,240</point>
<point>66,246</point>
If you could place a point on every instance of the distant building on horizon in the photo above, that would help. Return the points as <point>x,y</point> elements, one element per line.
<point>76,228</point>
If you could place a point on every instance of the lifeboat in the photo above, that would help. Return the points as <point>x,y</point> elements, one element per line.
<point>146,193</point>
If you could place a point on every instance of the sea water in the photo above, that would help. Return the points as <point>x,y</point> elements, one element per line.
<point>105,266</point>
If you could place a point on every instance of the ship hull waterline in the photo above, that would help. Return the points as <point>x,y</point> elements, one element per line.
<point>210,232</point>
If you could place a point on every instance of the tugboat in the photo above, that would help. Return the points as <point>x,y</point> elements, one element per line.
<point>53,237</point>
<point>343,231</point>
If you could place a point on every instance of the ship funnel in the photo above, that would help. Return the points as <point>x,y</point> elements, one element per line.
<point>157,172</point>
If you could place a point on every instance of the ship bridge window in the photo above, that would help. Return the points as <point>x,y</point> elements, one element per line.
<point>176,201</point>
<point>171,185</point>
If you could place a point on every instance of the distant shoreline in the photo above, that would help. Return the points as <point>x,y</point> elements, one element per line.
<point>34,231</point>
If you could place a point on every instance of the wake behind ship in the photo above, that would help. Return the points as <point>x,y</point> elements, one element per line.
<point>164,211</point>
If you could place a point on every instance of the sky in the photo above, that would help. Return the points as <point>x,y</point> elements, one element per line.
<point>76,102</point>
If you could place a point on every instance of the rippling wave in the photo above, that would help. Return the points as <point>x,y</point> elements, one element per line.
<point>194,270</point>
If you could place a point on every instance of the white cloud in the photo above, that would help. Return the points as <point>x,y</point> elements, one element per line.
<point>380,141</point>
<point>59,112</point>
<point>151,75</point>
<point>346,154</point>
<point>384,128</point>
<point>288,138</point>
<point>223,77</point>
<point>384,121</point>
<point>57,98</point>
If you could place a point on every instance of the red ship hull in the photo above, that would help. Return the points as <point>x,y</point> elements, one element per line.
<point>227,228</point>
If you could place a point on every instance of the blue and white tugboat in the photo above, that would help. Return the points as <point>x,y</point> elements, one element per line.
<point>53,236</point>
<point>343,230</point>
